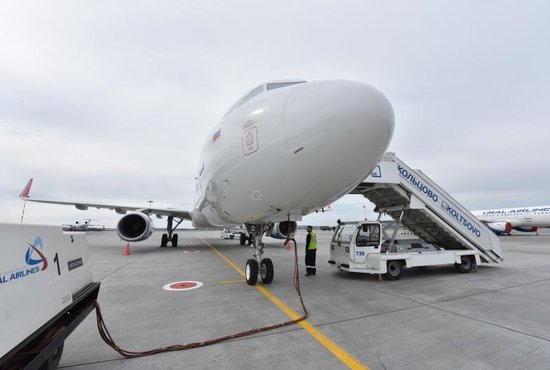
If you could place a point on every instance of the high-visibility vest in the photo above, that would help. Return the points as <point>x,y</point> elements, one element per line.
<point>312,241</point>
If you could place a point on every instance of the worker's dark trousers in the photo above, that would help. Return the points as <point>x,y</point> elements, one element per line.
<point>310,261</point>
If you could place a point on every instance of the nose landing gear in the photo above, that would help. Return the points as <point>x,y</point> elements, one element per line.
<point>258,265</point>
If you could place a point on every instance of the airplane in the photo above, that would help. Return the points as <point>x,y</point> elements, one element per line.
<point>526,219</point>
<point>85,225</point>
<point>283,150</point>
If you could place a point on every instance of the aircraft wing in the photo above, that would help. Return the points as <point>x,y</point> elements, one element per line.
<point>122,209</point>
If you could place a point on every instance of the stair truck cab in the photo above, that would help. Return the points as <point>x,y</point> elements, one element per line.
<point>46,290</point>
<point>365,247</point>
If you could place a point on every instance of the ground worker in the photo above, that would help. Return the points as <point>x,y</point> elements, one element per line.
<point>311,251</point>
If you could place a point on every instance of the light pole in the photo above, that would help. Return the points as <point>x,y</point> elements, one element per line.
<point>150,203</point>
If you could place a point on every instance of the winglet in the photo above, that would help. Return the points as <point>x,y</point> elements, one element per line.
<point>26,190</point>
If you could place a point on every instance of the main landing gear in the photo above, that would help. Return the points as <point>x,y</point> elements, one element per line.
<point>258,265</point>
<point>170,237</point>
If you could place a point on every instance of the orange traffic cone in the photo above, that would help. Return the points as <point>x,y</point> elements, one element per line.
<point>127,250</point>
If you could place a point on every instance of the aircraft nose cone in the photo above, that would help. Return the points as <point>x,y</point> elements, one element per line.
<point>337,131</point>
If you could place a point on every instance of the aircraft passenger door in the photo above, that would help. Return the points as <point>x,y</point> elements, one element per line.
<point>367,242</point>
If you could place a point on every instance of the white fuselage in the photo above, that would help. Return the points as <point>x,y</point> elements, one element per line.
<point>291,150</point>
<point>519,218</point>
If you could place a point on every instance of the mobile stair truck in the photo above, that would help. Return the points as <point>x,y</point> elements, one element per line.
<point>46,290</point>
<point>416,202</point>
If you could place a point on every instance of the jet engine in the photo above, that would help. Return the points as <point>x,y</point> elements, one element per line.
<point>281,230</point>
<point>527,229</point>
<point>135,227</point>
<point>500,227</point>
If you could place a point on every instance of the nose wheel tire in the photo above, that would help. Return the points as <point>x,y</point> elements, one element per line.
<point>251,272</point>
<point>466,265</point>
<point>394,270</point>
<point>266,271</point>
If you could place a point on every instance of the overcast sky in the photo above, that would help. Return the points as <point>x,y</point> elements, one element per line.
<point>111,100</point>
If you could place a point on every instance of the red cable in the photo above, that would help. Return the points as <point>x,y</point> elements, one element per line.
<point>106,335</point>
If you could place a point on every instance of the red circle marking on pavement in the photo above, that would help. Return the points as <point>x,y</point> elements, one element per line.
<point>183,285</point>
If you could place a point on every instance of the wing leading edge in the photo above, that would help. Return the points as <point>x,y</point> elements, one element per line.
<point>121,209</point>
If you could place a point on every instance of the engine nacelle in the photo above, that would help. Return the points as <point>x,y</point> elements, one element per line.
<point>281,230</point>
<point>500,227</point>
<point>527,229</point>
<point>135,227</point>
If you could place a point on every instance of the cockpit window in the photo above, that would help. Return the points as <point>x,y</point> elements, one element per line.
<point>246,98</point>
<point>259,89</point>
<point>252,94</point>
<point>277,85</point>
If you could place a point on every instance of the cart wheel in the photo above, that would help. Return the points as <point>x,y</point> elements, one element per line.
<point>53,361</point>
<point>266,271</point>
<point>466,265</point>
<point>394,270</point>
<point>251,272</point>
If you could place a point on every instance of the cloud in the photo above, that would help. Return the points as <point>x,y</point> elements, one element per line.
<point>104,100</point>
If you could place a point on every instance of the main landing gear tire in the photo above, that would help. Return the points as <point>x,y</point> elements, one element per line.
<point>242,239</point>
<point>251,271</point>
<point>164,240</point>
<point>394,270</point>
<point>466,265</point>
<point>266,271</point>
<point>175,240</point>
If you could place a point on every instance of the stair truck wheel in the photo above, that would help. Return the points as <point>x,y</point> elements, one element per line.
<point>394,270</point>
<point>266,271</point>
<point>251,272</point>
<point>466,265</point>
<point>175,240</point>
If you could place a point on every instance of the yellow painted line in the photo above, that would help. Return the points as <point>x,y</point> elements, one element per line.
<point>325,341</point>
<point>233,281</point>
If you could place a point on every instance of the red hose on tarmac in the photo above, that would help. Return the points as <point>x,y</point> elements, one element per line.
<point>106,335</point>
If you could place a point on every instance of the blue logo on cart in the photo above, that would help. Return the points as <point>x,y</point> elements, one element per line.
<point>35,255</point>
<point>34,258</point>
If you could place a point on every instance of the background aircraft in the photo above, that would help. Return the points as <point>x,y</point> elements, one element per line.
<point>503,221</point>
<point>283,150</point>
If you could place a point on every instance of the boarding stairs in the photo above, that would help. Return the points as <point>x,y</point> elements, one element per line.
<point>418,203</point>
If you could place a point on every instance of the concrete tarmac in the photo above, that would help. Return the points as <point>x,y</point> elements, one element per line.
<point>432,318</point>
